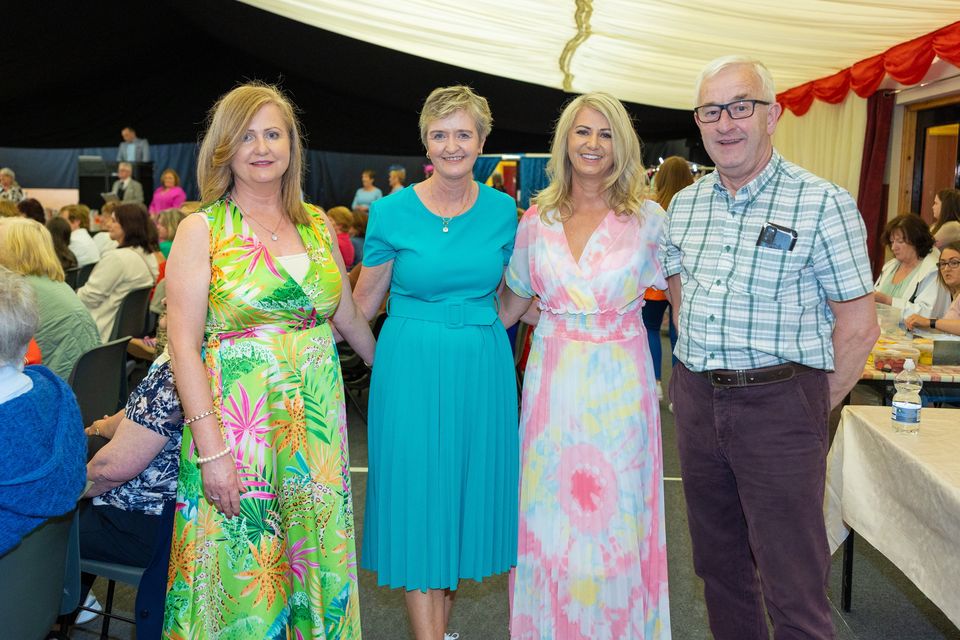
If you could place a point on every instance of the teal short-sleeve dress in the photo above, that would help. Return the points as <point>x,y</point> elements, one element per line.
<point>442,494</point>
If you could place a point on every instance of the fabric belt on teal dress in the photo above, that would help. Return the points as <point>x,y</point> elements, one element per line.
<point>452,313</point>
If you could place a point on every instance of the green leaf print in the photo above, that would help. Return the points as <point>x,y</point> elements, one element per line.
<point>289,295</point>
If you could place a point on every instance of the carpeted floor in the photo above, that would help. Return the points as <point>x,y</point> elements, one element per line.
<point>885,604</point>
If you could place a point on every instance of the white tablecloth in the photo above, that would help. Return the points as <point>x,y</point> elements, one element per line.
<point>902,494</point>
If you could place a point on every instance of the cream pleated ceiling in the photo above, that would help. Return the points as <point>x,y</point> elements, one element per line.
<point>643,51</point>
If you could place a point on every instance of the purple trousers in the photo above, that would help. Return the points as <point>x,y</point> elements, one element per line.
<point>753,461</point>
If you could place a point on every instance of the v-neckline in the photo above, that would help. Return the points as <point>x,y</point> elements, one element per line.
<point>586,245</point>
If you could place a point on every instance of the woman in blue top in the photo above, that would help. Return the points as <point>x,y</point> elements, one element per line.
<point>367,194</point>
<point>443,444</point>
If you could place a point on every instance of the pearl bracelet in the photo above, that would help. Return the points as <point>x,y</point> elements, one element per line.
<point>227,450</point>
<point>188,421</point>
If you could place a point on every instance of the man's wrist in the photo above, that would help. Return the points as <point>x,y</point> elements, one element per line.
<point>933,323</point>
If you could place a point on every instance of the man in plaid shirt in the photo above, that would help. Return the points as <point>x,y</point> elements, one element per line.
<point>768,272</point>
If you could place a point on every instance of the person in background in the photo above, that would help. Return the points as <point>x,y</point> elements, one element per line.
<point>169,195</point>
<point>31,208</point>
<point>496,181</point>
<point>672,176</point>
<point>133,477</point>
<point>591,491</point>
<point>81,244</point>
<point>946,217</point>
<point>167,222</point>
<point>255,281</point>
<point>132,149</point>
<point>60,232</point>
<point>125,187</point>
<point>9,189</point>
<point>343,220</point>
<point>42,448</point>
<point>102,239</point>
<point>66,329</point>
<point>768,272</point>
<point>909,280</point>
<point>131,266</point>
<point>8,209</point>
<point>949,266</point>
<point>358,231</point>
<point>444,459</point>
<point>367,193</point>
<point>396,178</point>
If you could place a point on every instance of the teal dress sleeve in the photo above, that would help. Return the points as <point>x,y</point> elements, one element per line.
<point>377,247</point>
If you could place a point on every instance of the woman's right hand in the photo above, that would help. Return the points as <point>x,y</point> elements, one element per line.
<point>915,320</point>
<point>221,484</point>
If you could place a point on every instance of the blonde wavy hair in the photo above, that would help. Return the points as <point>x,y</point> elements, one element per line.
<point>227,123</point>
<point>626,186</point>
<point>26,247</point>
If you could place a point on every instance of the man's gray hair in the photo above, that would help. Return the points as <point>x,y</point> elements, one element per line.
<point>19,317</point>
<point>768,91</point>
<point>125,164</point>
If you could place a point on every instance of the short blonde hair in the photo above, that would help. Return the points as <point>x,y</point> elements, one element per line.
<point>400,174</point>
<point>26,247</point>
<point>626,185</point>
<point>171,219</point>
<point>227,124</point>
<point>79,213</point>
<point>8,209</point>
<point>445,101</point>
<point>341,216</point>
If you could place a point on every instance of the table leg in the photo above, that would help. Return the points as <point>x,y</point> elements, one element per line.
<point>846,578</point>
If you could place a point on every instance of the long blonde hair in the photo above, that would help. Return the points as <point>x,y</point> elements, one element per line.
<point>227,124</point>
<point>626,185</point>
<point>26,247</point>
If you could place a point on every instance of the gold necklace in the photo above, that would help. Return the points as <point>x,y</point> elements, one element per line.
<point>273,233</point>
<point>463,207</point>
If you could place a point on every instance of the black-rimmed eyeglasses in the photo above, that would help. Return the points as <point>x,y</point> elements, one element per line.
<point>953,263</point>
<point>737,110</point>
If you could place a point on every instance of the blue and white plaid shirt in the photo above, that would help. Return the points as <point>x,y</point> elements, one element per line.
<point>744,305</point>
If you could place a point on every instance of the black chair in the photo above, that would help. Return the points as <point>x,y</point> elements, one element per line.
<point>72,277</point>
<point>131,320</point>
<point>99,380</point>
<point>84,274</point>
<point>32,589</point>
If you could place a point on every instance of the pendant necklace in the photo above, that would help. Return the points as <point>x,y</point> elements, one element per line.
<point>447,219</point>
<point>273,234</point>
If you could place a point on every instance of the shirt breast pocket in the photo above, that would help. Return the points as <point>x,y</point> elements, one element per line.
<point>766,272</point>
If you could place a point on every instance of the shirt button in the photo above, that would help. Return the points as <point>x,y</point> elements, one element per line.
<point>726,248</point>
<point>712,355</point>
<point>712,317</point>
<point>718,281</point>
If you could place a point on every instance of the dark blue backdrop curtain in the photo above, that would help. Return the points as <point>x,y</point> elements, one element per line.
<point>533,177</point>
<point>484,166</point>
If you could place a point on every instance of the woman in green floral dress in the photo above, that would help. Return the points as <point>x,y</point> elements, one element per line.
<point>263,541</point>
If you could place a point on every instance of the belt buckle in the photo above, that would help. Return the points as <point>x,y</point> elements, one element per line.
<point>453,315</point>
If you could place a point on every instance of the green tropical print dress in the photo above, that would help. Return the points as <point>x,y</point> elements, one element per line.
<point>285,568</point>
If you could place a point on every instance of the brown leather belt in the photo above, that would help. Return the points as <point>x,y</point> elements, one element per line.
<point>752,377</point>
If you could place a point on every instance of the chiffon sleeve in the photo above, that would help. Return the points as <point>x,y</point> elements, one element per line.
<point>518,270</point>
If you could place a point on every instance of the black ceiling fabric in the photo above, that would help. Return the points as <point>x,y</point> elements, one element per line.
<point>75,73</point>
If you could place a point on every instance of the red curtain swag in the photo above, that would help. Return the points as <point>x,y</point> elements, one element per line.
<point>906,63</point>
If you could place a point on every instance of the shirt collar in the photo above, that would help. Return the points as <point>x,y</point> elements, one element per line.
<point>13,382</point>
<point>749,191</point>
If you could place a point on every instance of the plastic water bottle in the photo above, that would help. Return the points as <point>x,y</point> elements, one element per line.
<point>905,416</point>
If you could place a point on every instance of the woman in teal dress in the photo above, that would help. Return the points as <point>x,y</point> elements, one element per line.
<point>443,486</point>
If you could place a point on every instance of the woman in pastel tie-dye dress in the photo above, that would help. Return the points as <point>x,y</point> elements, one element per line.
<point>592,561</point>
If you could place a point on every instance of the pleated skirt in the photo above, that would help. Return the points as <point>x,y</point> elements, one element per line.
<point>443,486</point>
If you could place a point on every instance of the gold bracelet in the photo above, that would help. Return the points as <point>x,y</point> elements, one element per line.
<point>198,416</point>
<point>227,450</point>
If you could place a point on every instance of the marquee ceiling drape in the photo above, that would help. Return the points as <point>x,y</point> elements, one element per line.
<point>647,52</point>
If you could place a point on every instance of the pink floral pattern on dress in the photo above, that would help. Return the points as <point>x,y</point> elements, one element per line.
<point>592,549</point>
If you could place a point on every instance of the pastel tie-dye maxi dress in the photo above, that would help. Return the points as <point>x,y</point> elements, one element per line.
<point>592,561</point>
<point>286,566</point>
